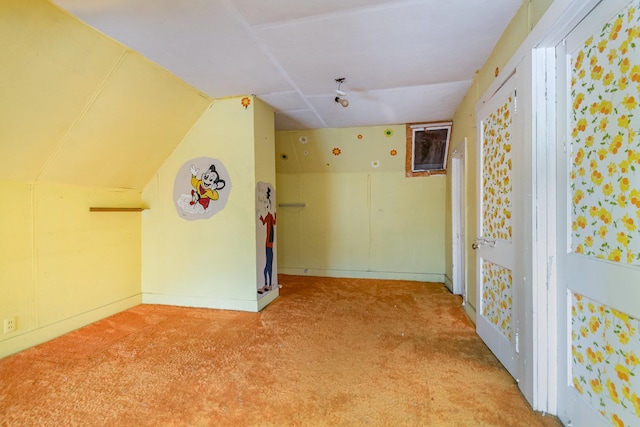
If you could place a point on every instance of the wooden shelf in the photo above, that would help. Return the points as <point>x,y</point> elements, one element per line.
<point>101,209</point>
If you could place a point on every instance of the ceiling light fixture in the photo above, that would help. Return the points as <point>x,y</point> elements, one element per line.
<point>342,101</point>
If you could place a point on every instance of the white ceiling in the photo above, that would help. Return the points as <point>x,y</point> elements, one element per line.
<point>403,60</point>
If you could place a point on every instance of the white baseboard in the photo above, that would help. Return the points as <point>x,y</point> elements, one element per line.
<point>356,274</point>
<point>448,282</point>
<point>211,302</point>
<point>46,333</point>
<point>268,298</point>
<point>471,311</point>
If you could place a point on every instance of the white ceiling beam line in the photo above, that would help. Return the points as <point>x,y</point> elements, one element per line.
<point>338,14</point>
<point>232,9</point>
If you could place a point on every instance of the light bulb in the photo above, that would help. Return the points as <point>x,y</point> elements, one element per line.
<point>342,101</point>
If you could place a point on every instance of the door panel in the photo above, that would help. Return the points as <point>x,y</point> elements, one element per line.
<point>495,258</point>
<point>599,217</point>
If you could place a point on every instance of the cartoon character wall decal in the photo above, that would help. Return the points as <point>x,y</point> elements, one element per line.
<point>200,195</point>
<point>266,216</point>
<point>206,188</point>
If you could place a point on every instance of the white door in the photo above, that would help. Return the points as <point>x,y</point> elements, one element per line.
<point>495,251</point>
<point>598,218</point>
<point>458,202</point>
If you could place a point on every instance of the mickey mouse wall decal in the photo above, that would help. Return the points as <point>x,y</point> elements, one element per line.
<point>200,195</point>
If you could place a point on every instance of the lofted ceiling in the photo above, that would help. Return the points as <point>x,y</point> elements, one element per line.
<point>403,60</point>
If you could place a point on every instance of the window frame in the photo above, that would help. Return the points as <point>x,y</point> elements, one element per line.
<point>441,165</point>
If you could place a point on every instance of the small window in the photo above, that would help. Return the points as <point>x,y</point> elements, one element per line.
<point>427,148</point>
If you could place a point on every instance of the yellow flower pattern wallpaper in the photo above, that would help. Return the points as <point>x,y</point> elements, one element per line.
<point>496,296</point>
<point>605,347</point>
<point>497,164</point>
<point>605,210</point>
<point>605,145</point>
<point>496,213</point>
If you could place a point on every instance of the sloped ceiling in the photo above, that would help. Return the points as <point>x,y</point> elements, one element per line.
<point>403,60</point>
<point>79,108</point>
<point>106,110</point>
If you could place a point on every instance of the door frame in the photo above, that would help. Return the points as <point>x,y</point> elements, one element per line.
<point>458,220</point>
<point>550,316</point>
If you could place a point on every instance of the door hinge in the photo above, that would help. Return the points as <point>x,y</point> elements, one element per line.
<point>517,342</point>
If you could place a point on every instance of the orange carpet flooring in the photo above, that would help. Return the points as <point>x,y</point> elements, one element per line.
<point>327,352</point>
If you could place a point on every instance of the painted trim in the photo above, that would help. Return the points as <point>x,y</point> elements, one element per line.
<point>46,333</point>
<point>268,299</point>
<point>420,277</point>
<point>544,289</point>
<point>459,219</point>
<point>209,302</point>
<point>471,311</point>
<point>448,282</point>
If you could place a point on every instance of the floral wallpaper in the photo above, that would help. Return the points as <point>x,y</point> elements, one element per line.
<point>605,145</point>
<point>497,163</point>
<point>497,300</point>
<point>605,346</point>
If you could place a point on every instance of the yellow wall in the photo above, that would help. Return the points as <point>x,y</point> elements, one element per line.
<point>85,122</point>
<point>265,158</point>
<point>361,219</point>
<point>62,266</point>
<point>465,127</point>
<point>212,262</point>
<point>264,142</point>
<point>79,108</point>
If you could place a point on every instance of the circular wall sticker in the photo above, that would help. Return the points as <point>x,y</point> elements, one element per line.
<point>201,188</point>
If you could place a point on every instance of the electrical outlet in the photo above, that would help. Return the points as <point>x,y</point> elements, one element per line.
<point>9,325</point>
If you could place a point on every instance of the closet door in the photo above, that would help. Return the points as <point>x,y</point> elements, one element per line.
<point>495,315</point>
<point>598,218</point>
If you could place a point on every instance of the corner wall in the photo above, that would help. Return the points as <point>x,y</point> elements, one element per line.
<point>72,136</point>
<point>361,216</point>
<point>208,262</point>
<point>265,161</point>
<point>61,266</point>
